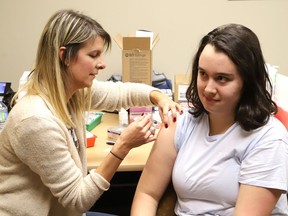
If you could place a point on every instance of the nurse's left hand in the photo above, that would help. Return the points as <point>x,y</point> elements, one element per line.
<point>166,106</point>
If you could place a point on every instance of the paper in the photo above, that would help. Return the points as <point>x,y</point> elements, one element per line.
<point>145,33</point>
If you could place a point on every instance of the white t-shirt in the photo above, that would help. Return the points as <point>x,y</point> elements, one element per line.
<point>208,169</point>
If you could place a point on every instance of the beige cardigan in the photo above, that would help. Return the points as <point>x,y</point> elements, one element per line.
<point>41,171</point>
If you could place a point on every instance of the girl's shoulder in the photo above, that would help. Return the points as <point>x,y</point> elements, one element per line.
<point>186,124</point>
<point>187,119</point>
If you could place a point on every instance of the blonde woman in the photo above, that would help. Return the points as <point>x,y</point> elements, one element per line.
<point>43,145</point>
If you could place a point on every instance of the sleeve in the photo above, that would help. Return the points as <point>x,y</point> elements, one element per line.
<point>44,148</point>
<point>185,124</point>
<point>112,96</point>
<point>266,165</point>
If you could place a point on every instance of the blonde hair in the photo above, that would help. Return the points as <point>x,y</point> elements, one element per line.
<point>70,29</point>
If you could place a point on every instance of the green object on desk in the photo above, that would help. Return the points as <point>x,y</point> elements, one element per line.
<point>92,120</point>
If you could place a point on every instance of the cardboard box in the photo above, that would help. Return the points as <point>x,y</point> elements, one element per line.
<point>181,83</point>
<point>136,58</point>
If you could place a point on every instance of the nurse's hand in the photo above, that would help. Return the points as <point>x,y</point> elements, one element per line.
<point>166,105</point>
<point>136,134</point>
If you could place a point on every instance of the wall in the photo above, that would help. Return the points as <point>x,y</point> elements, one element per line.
<point>180,24</point>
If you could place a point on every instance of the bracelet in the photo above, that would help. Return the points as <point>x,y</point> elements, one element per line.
<point>116,155</point>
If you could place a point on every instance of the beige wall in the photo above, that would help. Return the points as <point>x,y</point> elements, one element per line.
<point>180,24</point>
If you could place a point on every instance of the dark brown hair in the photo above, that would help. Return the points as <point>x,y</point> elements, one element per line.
<point>242,46</point>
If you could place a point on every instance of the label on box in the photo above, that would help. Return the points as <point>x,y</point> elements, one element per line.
<point>137,66</point>
<point>182,92</point>
<point>181,85</point>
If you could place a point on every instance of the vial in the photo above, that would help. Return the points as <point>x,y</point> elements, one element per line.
<point>123,117</point>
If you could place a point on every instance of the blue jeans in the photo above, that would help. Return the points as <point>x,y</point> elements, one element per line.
<point>98,214</point>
